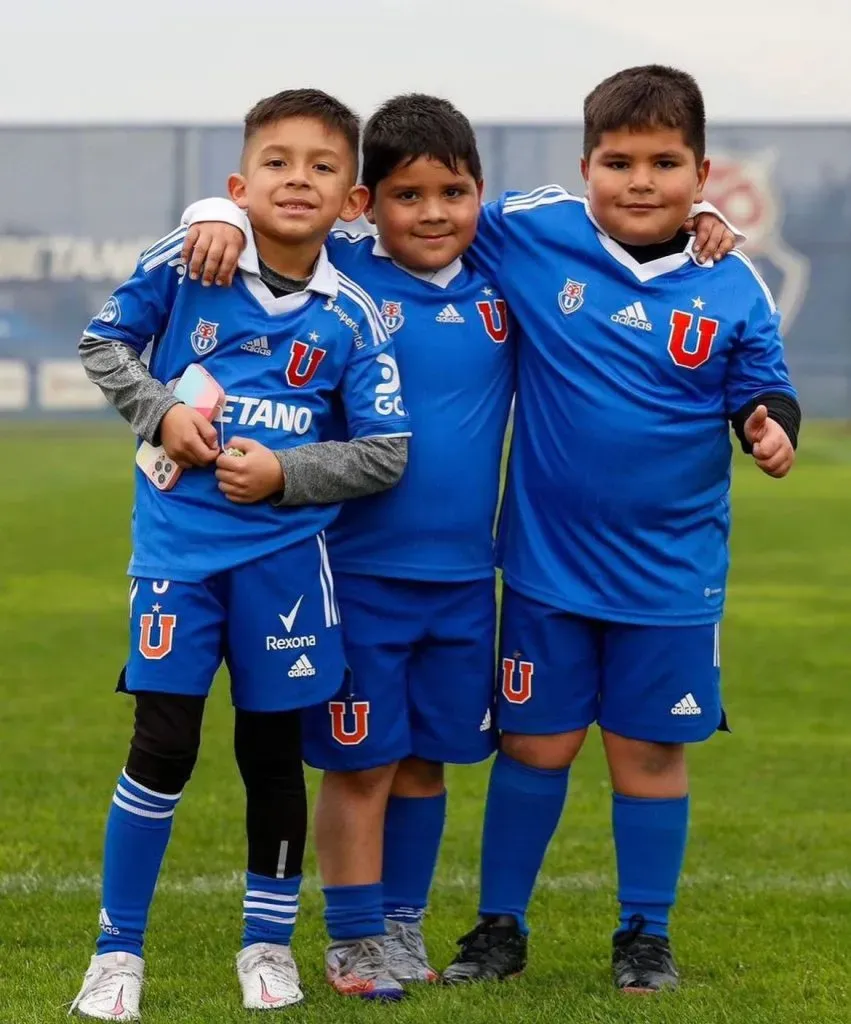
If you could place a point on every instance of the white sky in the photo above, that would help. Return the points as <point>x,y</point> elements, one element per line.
<point>208,61</point>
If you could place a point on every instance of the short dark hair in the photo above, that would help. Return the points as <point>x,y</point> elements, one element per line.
<point>414,125</point>
<point>651,96</point>
<point>305,103</point>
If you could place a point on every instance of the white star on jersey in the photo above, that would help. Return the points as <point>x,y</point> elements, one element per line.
<point>698,303</point>
<point>313,336</point>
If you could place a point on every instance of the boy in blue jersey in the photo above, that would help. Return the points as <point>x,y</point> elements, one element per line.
<point>635,359</point>
<point>414,572</point>
<point>418,598</point>
<point>216,577</point>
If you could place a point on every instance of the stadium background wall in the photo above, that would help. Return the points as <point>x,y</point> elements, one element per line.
<point>78,204</point>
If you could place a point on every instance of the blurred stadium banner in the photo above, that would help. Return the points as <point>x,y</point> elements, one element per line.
<point>77,205</point>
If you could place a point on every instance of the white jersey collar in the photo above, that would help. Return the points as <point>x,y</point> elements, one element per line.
<point>653,268</point>
<point>323,282</point>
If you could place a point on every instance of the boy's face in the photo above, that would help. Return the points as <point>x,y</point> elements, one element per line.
<point>641,184</point>
<point>298,177</point>
<point>425,213</point>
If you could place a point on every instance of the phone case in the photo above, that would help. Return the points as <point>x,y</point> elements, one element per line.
<point>157,466</point>
<point>196,388</point>
<point>199,390</point>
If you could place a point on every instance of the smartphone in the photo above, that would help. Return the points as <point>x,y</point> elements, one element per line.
<point>197,389</point>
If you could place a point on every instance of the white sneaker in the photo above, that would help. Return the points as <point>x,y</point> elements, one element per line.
<point>268,976</point>
<point>407,959</point>
<point>359,968</point>
<point>111,988</point>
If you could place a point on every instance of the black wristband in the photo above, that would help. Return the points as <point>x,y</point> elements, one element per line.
<point>782,408</point>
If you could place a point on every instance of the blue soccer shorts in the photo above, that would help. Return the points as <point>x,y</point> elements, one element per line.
<point>421,679</point>
<point>560,672</point>
<point>274,622</point>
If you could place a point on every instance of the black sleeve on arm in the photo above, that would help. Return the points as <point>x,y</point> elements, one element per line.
<point>782,408</point>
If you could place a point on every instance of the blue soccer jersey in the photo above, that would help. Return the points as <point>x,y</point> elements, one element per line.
<point>617,502</point>
<point>286,364</point>
<point>456,361</point>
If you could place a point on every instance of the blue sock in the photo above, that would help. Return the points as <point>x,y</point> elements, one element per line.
<point>523,809</point>
<point>650,842</point>
<point>413,828</point>
<point>269,909</point>
<point>354,911</point>
<point>137,833</point>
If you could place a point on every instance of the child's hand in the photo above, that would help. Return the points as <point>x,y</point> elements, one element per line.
<point>212,248</point>
<point>250,477</point>
<point>187,437</point>
<point>713,238</point>
<point>772,449</point>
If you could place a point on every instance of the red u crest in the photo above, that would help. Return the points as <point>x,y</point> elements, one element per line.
<point>360,713</point>
<point>155,651</point>
<point>680,327</point>
<point>300,373</point>
<point>517,695</point>
<point>495,317</point>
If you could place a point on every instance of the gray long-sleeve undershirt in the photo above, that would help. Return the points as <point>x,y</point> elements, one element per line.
<point>316,474</point>
<point>126,384</point>
<point>332,471</point>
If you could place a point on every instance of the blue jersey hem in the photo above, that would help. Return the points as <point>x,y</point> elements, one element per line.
<point>630,618</point>
<point>177,575</point>
<point>416,575</point>
<point>148,572</point>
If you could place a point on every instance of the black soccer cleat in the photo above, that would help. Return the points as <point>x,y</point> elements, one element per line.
<point>493,951</point>
<point>642,963</point>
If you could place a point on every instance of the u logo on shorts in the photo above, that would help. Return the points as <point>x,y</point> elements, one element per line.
<point>150,650</point>
<point>344,736</point>
<point>524,692</point>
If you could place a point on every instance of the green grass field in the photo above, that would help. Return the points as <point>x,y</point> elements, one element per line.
<point>763,926</point>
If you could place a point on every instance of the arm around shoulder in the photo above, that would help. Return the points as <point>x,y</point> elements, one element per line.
<point>215,208</point>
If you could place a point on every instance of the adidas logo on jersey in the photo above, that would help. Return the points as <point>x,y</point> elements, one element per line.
<point>302,667</point>
<point>687,706</point>
<point>633,316</point>
<point>486,721</point>
<point>259,346</point>
<point>449,315</point>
